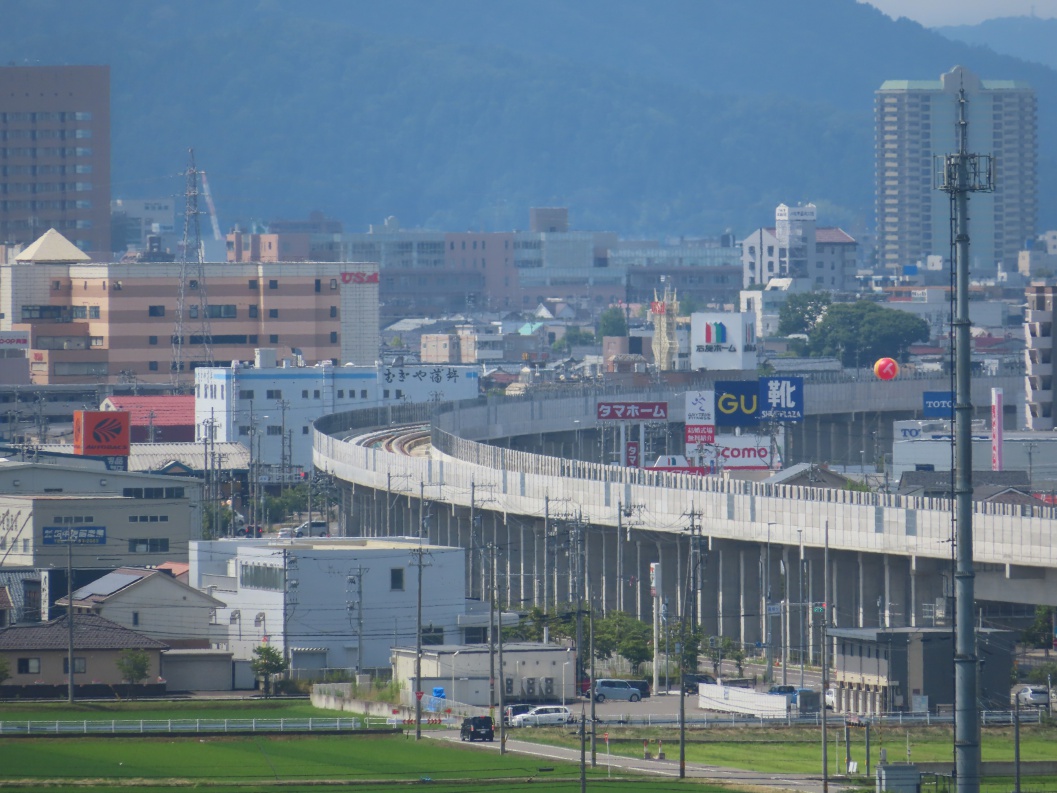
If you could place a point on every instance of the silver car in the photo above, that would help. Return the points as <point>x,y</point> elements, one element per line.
<point>1030,696</point>
<point>608,688</point>
<point>544,714</point>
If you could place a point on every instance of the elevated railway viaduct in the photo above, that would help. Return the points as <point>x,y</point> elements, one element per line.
<point>501,474</point>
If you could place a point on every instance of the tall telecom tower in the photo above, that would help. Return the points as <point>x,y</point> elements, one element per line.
<point>960,174</point>
<point>192,278</point>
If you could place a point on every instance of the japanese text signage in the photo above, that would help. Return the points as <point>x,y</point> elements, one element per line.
<point>631,454</point>
<point>435,374</point>
<point>73,535</point>
<point>632,411</point>
<point>745,403</point>
<point>782,398</point>
<point>700,433</point>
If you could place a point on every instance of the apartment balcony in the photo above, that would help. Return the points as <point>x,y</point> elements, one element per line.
<point>1037,315</point>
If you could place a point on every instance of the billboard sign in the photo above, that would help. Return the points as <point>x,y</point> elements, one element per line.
<point>101,433</point>
<point>632,411</point>
<point>631,454</point>
<point>741,453</point>
<point>700,407</point>
<point>700,433</point>
<point>938,405</point>
<point>737,403</point>
<point>655,578</point>
<point>73,535</point>
<point>14,339</point>
<point>782,398</point>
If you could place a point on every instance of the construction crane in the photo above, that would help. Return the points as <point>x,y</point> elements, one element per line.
<point>192,278</point>
<point>212,208</point>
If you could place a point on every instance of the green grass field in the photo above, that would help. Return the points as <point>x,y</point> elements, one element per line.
<point>216,765</point>
<point>169,709</point>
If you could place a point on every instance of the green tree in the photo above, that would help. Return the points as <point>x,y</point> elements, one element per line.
<point>134,666</point>
<point>267,662</point>
<point>612,322</point>
<point>860,333</point>
<point>689,305</point>
<point>621,634</point>
<point>801,312</point>
<point>1040,632</point>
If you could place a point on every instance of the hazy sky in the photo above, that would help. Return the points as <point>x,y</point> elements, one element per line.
<point>933,13</point>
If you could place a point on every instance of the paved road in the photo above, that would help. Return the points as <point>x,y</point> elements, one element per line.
<point>803,783</point>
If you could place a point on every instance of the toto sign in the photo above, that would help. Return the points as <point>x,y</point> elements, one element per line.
<point>938,404</point>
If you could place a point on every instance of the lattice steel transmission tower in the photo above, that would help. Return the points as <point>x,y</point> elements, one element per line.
<point>192,278</point>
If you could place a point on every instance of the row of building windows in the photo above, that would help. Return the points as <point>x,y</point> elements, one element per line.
<point>41,117</point>
<point>149,545</point>
<point>12,205</point>
<point>153,492</point>
<point>229,311</point>
<point>45,134</point>
<point>44,170</point>
<point>44,152</point>
<point>148,518</point>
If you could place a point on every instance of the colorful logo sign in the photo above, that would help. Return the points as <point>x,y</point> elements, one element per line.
<point>98,433</point>
<point>715,333</point>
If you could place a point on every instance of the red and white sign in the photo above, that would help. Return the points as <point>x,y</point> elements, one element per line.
<point>997,437</point>
<point>632,411</point>
<point>657,307</point>
<point>359,278</point>
<point>700,433</point>
<point>741,453</point>
<point>14,340</point>
<point>631,454</point>
<point>418,695</point>
<point>655,578</point>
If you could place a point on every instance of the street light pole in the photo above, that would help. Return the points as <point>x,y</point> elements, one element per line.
<point>767,607</point>
<point>800,601</point>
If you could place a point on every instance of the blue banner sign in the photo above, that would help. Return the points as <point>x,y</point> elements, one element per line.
<point>938,405</point>
<point>782,398</point>
<point>737,403</point>
<point>74,535</point>
<point>745,403</point>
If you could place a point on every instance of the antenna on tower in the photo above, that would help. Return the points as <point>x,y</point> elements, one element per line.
<point>192,278</point>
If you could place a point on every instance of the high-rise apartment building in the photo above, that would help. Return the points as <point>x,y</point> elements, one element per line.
<point>915,123</point>
<point>55,154</point>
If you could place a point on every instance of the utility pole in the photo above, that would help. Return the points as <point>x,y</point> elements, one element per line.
<point>825,660</point>
<point>546,537</point>
<point>418,554</point>
<point>282,404</point>
<point>964,173</point>
<point>356,578</point>
<point>69,613</point>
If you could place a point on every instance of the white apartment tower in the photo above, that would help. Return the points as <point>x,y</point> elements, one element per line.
<point>915,123</point>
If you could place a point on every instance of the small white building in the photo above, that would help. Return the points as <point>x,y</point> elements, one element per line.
<point>331,603</point>
<point>531,672</point>
<point>273,403</point>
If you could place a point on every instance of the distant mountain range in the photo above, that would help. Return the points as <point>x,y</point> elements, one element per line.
<point>683,117</point>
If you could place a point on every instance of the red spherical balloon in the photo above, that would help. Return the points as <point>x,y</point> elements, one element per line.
<point>886,369</point>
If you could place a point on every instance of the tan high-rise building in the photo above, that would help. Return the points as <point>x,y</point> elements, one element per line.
<point>55,154</point>
<point>104,322</point>
<point>915,123</point>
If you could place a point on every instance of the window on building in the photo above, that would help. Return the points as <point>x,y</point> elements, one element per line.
<point>253,312</point>
<point>319,285</point>
<point>273,313</point>
<point>152,340</point>
<point>149,545</point>
<point>315,394</point>
<point>155,311</point>
<point>432,636</point>
<point>275,429</point>
<point>152,366</point>
<point>273,338</point>
<point>333,337</point>
<point>93,312</point>
<point>341,394</point>
<point>273,393</point>
<point>304,430</point>
<point>333,311</point>
<point>28,666</point>
<point>135,618</point>
<point>253,283</point>
<point>246,393</point>
<point>396,579</point>
<point>363,393</point>
<point>78,665</point>
<point>304,393</point>
<point>273,284</point>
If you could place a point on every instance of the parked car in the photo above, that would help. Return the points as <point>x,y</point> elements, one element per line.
<point>643,686</point>
<point>1030,696</point>
<point>510,711</point>
<point>783,690</point>
<point>477,728</point>
<point>251,530</point>
<point>691,682</point>
<point>831,699</point>
<point>288,533</point>
<point>608,688</point>
<point>543,715</point>
<point>318,528</point>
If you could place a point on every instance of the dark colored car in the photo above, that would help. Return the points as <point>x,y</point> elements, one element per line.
<point>643,686</point>
<point>510,711</point>
<point>249,531</point>
<point>477,728</point>
<point>692,681</point>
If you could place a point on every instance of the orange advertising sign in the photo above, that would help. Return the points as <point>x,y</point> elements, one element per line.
<point>99,433</point>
